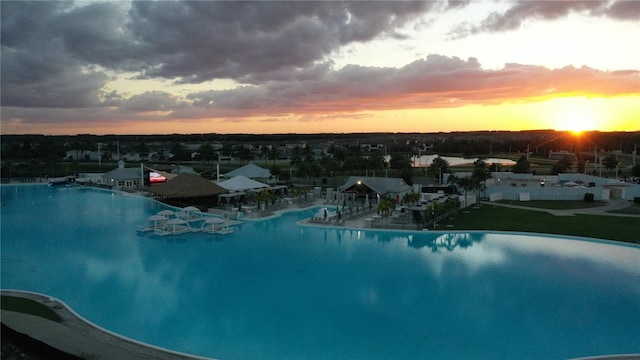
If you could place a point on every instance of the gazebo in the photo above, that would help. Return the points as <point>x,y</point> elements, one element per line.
<point>188,189</point>
<point>362,186</point>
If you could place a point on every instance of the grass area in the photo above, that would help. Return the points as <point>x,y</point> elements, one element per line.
<point>555,204</point>
<point>487,217</point>
<point>27,306</point>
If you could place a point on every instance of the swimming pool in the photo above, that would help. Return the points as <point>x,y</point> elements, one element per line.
<point>275,289</point>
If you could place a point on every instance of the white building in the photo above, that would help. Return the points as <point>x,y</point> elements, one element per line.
<point>123,178</point>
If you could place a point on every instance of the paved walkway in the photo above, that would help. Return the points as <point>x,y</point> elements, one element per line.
<point>613,204</point>
<point>76,336</point>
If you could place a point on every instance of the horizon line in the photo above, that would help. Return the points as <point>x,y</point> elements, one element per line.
<point>329,133</point>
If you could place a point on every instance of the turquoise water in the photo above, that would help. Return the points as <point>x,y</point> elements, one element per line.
<point>277,290</point>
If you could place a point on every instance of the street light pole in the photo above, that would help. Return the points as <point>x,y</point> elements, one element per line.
<point>600,166</point>
<point>585,167</point>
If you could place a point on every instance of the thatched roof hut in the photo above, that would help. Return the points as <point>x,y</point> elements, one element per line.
<point>188,189</point>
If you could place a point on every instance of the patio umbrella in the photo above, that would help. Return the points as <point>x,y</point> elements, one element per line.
<point>166,213</point>
<point>212,223</point>
<point>190,210</point>
<point>156,219</point>
<point>176,223</point>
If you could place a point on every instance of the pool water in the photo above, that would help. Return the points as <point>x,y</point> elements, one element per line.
<point>274,289</point>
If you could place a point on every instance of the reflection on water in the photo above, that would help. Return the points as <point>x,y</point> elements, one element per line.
<point>445,241</point>
<point>273,289</point>
<point>426,160</point>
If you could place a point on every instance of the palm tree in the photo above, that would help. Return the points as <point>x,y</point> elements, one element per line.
<point>207,153</point>
<point>273,154</point>
<point>411,198</point>
<point>386,206</point>
<point>452,181</point>
<point>264,151</point>
<point>438,167</point>
<point>480,175</point>
<point>466,184</point>
<point>263,196</point>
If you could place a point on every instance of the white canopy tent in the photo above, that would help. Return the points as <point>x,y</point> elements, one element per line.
<point>250,171</point>
<point>241,183</point>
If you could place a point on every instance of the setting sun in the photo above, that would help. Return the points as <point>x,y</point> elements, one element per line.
<point>575,114</point>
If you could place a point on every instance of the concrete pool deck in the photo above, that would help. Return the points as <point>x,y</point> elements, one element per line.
<point>79,337</point>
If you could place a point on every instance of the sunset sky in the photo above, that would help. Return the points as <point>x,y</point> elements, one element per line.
<point>121,67</point>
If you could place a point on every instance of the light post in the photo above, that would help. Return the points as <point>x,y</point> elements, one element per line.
<point>600,165</point>
<point>618,164</point>
<point>585,166</point>
<point>635,152</point>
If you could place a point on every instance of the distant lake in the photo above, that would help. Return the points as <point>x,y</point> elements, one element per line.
<point>426,160</point>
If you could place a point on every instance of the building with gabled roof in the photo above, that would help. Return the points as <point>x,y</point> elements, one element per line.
<point>123,178</point>
<point>242,183</point>
<point>188,189</point>
<point>385,187</point>
<point>250,171</point>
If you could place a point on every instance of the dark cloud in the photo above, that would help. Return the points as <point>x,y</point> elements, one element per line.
<point>58,56</point>
<point>524,10</point>
<point>624,10</point>
<point>152,101</point>
<point>437,81</point>
<point>452,4</point>
<point>37,68</point>
<point>191,41</point>
<point>210,40</point>
<point>68,88</point>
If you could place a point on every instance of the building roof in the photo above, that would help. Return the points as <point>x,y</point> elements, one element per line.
<point>123,174</point>
<point>241,183</point>
<point>186,186</point>
<point>379,185</point>
<point>250,171</point>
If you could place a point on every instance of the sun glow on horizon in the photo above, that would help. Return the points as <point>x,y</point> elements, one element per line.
<point>576,114</point>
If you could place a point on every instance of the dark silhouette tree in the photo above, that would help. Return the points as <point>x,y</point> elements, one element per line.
<point>245,154</point>
<point>274,154</point>
<point>610,162</point>
<point>453,181</point>
<point>264,152</point>
<point>207,154</point>
<point>375,161</point>
<point>522,166</point>
<point>180,152</point>
<point>561,166</point>
<point>438,167</point>
<point>399,161</point>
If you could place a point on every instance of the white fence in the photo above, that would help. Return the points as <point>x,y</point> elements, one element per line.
<point>517,187</point>
<point>495,193</point>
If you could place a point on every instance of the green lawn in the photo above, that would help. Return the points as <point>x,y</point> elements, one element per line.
<point>27,306</point>
<point>488,217</point>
